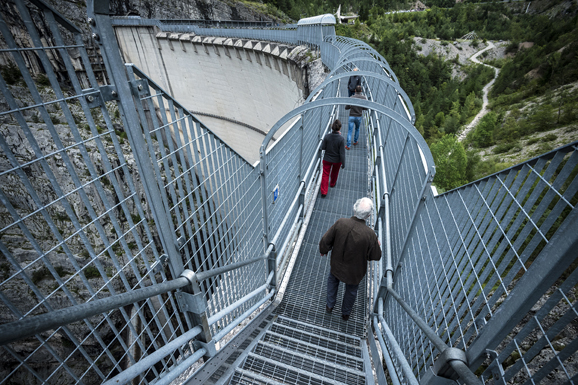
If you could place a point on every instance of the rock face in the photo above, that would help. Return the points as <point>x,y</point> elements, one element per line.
<point>75,10</point>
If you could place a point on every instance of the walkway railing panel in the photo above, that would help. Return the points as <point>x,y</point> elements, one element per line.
<point>210,193</point>
<point>497,265</point>
<point>76,225</point>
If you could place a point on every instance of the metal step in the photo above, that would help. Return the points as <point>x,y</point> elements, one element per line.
<point>310,364</point>
<point>301,347</point>
<point>321,331</point>
<point>317,340</point>
<point>288,374</point>
<point>245,377</point>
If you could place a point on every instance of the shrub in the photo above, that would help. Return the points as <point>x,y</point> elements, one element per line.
<point>503,147</point>
<point>11,73</point>
<point>91,272</point>
<point>549,137</point>
<point>532,141</point>
<point>43,80</point>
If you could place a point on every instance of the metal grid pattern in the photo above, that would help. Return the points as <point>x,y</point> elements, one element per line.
<point>308,364</point>
<point>211,193</point>
<point>74,226</point>
<point>318,340</point>
<point>314,351</point>
<point>501,245</point>
<point>323,332</point>
<point>282,373</point>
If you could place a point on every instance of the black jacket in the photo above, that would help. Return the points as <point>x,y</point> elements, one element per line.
<point>354,81</point>
<point>352,244</point>
<point>334,146</point>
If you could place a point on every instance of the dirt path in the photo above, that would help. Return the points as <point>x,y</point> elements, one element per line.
<point>486,89</point>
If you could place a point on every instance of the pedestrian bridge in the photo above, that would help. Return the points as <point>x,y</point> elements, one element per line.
<point>138,247</point>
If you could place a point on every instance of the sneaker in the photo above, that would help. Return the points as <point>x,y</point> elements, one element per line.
<point>328,309</point>
<point>347,148</point>
<point>323,195</point>
<point>345,317</point>
<point>355,144</point>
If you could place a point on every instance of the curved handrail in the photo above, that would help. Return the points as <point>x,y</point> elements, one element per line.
<point>400,91</point>
<point>411,130</point>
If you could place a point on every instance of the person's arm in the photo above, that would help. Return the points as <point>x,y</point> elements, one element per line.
<point>342,152</point>
<point>374,252</point>
<point>324,143</point>
<point>326,242</point>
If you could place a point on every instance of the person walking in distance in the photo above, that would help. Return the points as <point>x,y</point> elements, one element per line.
<point>334,146</point>
<point>353,82</point>
<point>352,243</point>
<point>354,118</point>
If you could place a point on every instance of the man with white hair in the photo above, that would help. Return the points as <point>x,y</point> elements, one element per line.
<point>352,243</point>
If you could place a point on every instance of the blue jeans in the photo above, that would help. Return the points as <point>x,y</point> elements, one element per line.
<point>349,294</point>
<point>353,121</point>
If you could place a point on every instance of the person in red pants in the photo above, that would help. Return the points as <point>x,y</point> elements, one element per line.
<point>334,146</point>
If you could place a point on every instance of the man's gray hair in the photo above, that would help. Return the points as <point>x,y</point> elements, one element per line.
<point>362,208</point>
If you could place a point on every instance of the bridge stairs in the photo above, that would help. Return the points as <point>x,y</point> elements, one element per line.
<point>301,343</point>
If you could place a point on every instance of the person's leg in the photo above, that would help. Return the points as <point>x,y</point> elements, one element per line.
<point>334,174</point>
<point>349,296</point>
<point>357,124</point>
<point>332,286</point>
<point>350,130</point>
<point>325,178</point>
<point>349,93</point>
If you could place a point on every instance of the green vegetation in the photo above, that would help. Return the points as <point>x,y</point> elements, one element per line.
<point>528,97</point>
<point>11,73</point>
<point>450,159</point>
<point>91,272</point>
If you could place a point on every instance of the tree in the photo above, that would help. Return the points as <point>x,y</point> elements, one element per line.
<point>451,162</point>
<point>484,134</point>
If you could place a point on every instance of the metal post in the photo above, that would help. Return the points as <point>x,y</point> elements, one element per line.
<point>104,35</point>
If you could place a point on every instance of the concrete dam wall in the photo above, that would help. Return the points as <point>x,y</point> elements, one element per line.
<point>238,88</point>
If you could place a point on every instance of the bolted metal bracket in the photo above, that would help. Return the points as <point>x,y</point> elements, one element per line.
<point>442,367</point>
<point>495,367</point>
<point>92,97</point>
<point>108,93</point>
<point>140,88</point>
<point>192,303</point>
<point>210,346</point>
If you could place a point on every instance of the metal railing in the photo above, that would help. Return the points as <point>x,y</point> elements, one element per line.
<point>110,194</point>
<point>146,240</point>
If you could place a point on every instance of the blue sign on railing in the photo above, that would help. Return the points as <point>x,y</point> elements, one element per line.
<point>275,193</point>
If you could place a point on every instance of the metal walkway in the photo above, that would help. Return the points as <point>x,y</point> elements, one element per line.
<point>138,246</point>
<point>305,344</point>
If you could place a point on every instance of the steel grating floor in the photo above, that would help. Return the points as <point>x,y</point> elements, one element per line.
<point>305,295</point>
